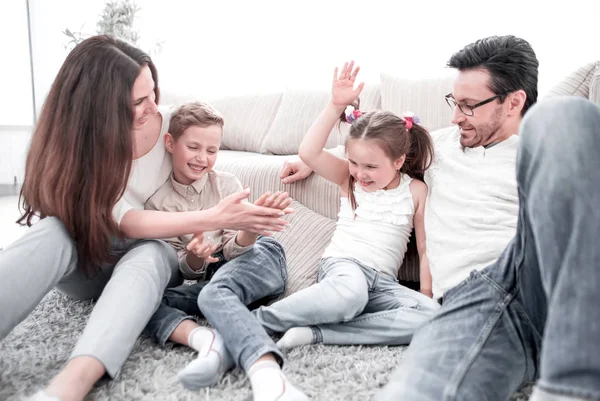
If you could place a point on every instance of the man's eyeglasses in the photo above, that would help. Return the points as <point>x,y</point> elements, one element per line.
<point>465,108</point>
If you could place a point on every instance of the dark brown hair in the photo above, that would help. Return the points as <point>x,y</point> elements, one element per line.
<point>81,151</point>
<point>511,62</point>
<point>193,114</point>
<point>390,133</point>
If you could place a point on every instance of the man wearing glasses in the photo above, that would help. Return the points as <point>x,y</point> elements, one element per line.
<point>533,313</point>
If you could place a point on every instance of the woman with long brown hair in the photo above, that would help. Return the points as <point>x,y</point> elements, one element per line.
<point>95,157</point>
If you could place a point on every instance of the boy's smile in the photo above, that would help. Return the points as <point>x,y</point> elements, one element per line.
<point>194,153</point>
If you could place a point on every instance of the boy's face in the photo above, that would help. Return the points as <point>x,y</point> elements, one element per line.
<point>194,153</point>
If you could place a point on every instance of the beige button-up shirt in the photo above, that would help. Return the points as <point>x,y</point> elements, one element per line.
<point>201,194</point>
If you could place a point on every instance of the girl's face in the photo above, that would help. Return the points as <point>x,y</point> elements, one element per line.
<point>371,167</point>
<point>143,97</point>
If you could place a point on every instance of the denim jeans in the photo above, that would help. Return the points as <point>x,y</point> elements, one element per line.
<point>351,304</point>
<point>534,313</point>
<point>253,278</point>
<point>127,291</point>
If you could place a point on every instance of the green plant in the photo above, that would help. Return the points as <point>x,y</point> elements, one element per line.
<point>117,19</point>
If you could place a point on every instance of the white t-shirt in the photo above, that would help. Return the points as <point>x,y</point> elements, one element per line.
<point>148,173</point>
<point>472,207</point>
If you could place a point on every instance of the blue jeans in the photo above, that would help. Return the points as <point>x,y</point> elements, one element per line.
<point>351,304</point>
<point>534,313</point>
<point>251,279</point>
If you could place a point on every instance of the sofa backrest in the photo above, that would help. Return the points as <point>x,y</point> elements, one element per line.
<point>584,82</point>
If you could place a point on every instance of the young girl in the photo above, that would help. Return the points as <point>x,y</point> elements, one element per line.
<point>358,299</point>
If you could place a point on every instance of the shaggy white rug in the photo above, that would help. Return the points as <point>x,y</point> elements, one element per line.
<point>36,349</point>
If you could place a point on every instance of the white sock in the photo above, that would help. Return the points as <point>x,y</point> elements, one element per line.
<point>212,362</point>
<point>42,396</point>
<point>201,339</point>
<point>270,384</point>
<point>295,337</point>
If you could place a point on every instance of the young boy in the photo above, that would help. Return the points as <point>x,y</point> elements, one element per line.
<point>235,268</point>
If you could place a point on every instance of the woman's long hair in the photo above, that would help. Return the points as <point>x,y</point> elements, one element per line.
<point>81,151</point>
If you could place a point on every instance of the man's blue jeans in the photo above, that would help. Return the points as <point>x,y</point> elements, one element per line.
<point>249,280</point>
<point>535,313</point>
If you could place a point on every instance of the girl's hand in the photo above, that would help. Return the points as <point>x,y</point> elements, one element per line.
<point>342,90</point>
<point>278,200</point>
<point>201,249</point>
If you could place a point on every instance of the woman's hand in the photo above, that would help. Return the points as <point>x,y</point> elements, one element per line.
<point>342,90</point>
<point>202,250</point>
<point>235,214</point>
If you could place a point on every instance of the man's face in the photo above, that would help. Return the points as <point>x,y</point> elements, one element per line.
<point>470,88</point>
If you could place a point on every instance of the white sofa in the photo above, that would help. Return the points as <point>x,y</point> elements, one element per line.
<point>262,131</point>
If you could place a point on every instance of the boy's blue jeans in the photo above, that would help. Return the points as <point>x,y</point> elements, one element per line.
<point>249,280</point>
<point>534,313</point>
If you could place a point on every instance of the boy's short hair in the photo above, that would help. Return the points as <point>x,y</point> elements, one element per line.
<point>191,114</point>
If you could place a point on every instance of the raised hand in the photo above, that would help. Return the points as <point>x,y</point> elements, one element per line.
<point>343,92</point>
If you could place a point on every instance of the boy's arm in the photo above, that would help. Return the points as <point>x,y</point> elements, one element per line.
<point>190,266</point>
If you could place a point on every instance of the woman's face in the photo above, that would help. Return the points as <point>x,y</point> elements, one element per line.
<point>143,97</point>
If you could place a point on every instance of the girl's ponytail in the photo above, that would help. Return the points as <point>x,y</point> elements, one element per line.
<point>420,153</point>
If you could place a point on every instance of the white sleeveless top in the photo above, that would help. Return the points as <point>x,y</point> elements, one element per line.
<point>148,173</point>
<point>377,232</point>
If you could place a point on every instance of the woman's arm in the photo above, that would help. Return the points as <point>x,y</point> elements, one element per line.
<point>419,191</point>
<point>229,213</point>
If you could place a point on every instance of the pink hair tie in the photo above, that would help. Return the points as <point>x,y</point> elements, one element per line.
<point>410,119</point>
<point>350,117</point>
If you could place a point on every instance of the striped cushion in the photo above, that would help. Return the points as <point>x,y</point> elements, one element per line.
<point>423,97</point>
<point>262,174</point>
<point>304,241</point>
<point>595,86</point>
<point>299,110</point>
<point>577,83</point>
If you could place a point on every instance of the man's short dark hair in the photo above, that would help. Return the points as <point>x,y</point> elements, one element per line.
<point>511,62</point>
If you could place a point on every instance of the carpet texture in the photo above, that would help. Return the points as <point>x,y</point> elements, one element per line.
<point>36,349</point>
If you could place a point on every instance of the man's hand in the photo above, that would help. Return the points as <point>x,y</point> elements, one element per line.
<point>294,170</point>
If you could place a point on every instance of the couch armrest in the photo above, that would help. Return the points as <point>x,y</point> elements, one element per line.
<point>262,173</point>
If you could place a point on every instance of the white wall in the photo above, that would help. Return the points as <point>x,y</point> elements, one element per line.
<point>238,46</point>
<point>14,141</point>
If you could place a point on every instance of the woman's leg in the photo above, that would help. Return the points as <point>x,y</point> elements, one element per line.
<point>30,267</point>
<point>125,305</point>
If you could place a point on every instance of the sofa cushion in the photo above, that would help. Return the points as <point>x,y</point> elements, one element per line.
<point>262,173</point>
<point>298,110</point>
<point>247,119</point>
<point>424,97</point>
<point>304,241</point>
<point>577,83</point>
<point>595,86</point>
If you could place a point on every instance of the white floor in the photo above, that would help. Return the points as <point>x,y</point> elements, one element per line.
<point>9,213</point>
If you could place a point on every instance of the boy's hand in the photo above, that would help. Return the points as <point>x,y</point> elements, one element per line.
<point>427,291</point>
<point>342,88</point>
<point>278,200</point>
<point>201,249</point>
